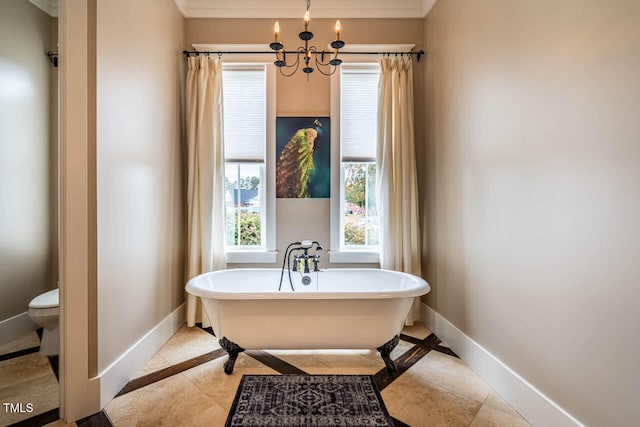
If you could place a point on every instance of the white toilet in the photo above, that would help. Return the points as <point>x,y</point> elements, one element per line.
<point>44,310</point>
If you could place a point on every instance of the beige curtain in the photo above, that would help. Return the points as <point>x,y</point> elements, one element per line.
<point>205,175</point>
<point>396,172</point>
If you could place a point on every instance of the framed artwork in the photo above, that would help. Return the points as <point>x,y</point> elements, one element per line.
<point>303,157</point>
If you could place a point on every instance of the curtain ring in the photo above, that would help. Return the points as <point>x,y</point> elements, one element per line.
<point>219,55</point>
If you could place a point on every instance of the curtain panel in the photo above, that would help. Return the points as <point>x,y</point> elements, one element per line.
<point>397,182</point>
<point>205,175</point>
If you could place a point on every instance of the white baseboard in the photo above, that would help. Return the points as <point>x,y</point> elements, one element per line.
<point>114,377</point>
<point>532,404</point>
<point>15,327</point>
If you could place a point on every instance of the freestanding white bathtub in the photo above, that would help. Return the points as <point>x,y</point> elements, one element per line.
<point>340,309</point>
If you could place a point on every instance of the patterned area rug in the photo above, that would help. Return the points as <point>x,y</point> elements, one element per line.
<point>308,400</point>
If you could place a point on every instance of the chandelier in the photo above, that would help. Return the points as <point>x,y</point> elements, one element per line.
<point>307,52</point>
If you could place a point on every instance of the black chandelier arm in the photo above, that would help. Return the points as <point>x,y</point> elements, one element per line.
<point>333,69</point>
<point>295,67</point>
<point>292,72</point>
<point>332,56</point>
<point>287,74</point>
<point>284,59</point>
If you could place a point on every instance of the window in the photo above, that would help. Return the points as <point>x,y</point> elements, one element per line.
<point>244,202</point>
<point>246,135</point>
<point>358,227</point>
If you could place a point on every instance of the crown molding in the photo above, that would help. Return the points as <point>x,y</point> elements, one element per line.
<point>286,8</point>
<point>427,5</point>
<point>50,7</point>
<point>283,9</point>
<point>182,6</point>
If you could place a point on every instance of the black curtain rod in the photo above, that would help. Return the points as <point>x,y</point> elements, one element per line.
<point>293,52</point>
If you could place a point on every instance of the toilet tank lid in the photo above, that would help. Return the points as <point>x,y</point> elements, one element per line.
<point>47,300</point>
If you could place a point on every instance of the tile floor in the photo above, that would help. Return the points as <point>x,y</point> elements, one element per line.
<point>26,377</point>
<point>175,388</point>
<point>437,390</point>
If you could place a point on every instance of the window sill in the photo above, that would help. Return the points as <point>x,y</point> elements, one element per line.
<point>251,257</point>
<point>354,257</point>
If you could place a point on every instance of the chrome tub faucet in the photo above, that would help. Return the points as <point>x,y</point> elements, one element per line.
<point>302,260</point>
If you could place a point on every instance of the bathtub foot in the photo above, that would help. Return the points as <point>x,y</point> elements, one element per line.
<point>385,351</point>
<point>233,350</point>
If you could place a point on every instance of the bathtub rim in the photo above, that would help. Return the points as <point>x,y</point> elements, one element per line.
<point>196,289</point>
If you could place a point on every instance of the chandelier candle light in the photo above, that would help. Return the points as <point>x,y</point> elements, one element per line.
<point>306,51</point>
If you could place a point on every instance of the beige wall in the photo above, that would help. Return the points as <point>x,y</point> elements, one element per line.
<point>27,156</point>
<point>533,165</point>
<point>309,218</point>
<point>140,189</point>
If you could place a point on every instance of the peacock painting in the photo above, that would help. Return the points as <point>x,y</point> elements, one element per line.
<point>303,157</point>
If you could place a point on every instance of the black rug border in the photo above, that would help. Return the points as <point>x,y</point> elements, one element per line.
<point>371,379</point>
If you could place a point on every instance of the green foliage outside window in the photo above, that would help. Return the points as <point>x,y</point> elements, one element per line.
<point>361,226</point>
<point>360,179</point>
<point>249,229</point>
<point>354,234</point>
<point>247,183</point>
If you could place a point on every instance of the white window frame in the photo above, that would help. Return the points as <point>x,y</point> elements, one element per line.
<point>266,253</point>
<point>339,253</point>
<point>261,197</point>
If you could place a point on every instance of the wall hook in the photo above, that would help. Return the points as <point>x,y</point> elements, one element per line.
<point>53,57</point>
